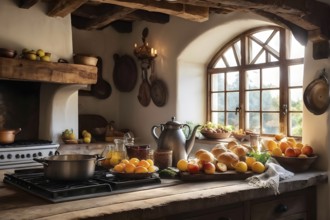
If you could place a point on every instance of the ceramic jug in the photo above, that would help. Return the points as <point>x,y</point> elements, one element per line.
<point>172,137</point>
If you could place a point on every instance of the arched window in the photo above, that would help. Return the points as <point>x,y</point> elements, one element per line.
<point>255,82</point>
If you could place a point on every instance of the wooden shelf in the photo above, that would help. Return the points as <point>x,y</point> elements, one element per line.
<point>51,72</point>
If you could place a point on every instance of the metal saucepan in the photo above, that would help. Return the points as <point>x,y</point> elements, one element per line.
<point>8,136</point>
<point>316,95</point>
<point>69,167</point>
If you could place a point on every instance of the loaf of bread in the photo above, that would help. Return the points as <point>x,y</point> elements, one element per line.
<point>199,152</point>
<point>218,149</point>
<point>239,150</point>
<point>232,144</point>
<point>228,158</point>
<point>206,157</point>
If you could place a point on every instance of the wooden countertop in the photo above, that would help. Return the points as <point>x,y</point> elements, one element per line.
<point>146,204</point>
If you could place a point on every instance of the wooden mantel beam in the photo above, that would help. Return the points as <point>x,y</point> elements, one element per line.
<point>185,11</point>
<point>63,8</point>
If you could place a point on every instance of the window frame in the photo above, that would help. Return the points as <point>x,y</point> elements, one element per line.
<point>283,63</point>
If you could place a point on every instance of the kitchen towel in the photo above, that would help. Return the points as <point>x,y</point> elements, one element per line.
<point>271,177</point>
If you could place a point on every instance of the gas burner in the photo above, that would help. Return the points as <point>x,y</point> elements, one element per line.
<point>102,183</point>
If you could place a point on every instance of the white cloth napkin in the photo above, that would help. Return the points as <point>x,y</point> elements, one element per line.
<point>271,177</point>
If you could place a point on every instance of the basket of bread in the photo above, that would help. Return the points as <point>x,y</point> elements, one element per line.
<point>215,131</point>
<point>224,161</point>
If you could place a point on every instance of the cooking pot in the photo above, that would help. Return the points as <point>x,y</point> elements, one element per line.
<point>8,136</point>
<point>69,167</point>
<point>316,95</point>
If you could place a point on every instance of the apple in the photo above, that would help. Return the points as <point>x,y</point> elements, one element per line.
<point>297,151</point>
<point>208,168</point>
<point>221,167</point>
<point>289,152</point>
<point>302,156</point>
<point>192,168</point>
<point>307,149</point>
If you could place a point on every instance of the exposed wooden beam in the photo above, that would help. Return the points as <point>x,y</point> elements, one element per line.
<point>154,17</point>
<point>63,8</point>
<point>27,3</point>
<point>189,12</point>
<point>115,14</point>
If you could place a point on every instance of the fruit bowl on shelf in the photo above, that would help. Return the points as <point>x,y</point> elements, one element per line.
<point>242,135</point>
<point>216,135</point>
<point>296,164</point>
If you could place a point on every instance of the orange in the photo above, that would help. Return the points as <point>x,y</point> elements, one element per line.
<point>182,165</point>
<point>125,161</point>
<point>143,163</point>
<point>279,136</point>
<point>277,152</point>
<point>249,161</point>
<point>284,145</point>
<point>152,169</point>
<point>271,144</point>
<point>141,169</point>
<point>119,168</point>
<point>134,161</point>
<point>258,167</point>
<point>130,168</point>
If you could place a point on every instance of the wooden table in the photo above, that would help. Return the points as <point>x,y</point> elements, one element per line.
<point>146,204</point>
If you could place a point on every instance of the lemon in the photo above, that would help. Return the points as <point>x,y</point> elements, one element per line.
<point>299,145</point>
<point>258,167</point>
<point>151,162</point>
<point>114,161</point>
<point>241,167</point>
<point>87,140</point>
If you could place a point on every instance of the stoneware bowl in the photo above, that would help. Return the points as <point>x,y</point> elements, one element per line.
<point>85,59</point>
<point>210,135</point>
<point>296,164</point>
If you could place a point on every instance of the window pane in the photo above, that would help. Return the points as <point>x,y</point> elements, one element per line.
<point>218,82</point>
<point>261,58</point>
<point>296,99</point>
<point>296,75</point>
<point>229,55</point>
<point>295,123</point>
<point>274,43</point>
<point>220,64</point>
<point>237,47</point>
<point>218,117</point>
<point>252,101</point>
<point>253,122</point>
<point>270,100</point>
<point>232,119</point>
<point>254,50</point>
<point>270,123</point>
<point>271,77</point>
<point>218,100</point>
<point>252,79</point>
<point>296,50</point>
<point>232,101</point>
<point>263,35</point>
<point>232,81</point>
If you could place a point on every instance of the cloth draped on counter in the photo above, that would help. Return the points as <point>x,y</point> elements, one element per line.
<point>271,177</point>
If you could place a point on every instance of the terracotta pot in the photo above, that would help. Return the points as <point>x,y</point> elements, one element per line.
<point>8,136</point>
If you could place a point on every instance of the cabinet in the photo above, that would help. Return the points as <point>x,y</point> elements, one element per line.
<point>296,205</point>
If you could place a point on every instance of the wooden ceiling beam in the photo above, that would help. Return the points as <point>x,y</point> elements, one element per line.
<point>63,8</point>
<point>27,3</point>
<point>105,19</point>
<point>189,12</point>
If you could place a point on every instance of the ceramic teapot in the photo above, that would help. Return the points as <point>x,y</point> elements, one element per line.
<point>172,137</point>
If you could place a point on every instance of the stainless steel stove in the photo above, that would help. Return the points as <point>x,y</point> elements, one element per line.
<point>21,153</point>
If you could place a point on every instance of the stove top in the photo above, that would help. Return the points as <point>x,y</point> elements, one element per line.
<point>102,183</point>
<point>23,143</point>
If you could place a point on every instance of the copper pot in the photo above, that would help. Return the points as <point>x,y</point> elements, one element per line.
<point>8,136</point>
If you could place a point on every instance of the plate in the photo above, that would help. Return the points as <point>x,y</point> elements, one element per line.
<point>158,92</point>
<point>132,175</point>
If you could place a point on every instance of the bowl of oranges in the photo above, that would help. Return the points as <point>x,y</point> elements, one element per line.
<point>134,168</point>
<point>290,154</point>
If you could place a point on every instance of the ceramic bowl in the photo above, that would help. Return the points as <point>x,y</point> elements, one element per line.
<point>85,59</point>
<point>296,164</point>
<point>221,135</point>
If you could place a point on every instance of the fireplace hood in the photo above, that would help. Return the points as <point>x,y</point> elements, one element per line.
<point>50,72</point>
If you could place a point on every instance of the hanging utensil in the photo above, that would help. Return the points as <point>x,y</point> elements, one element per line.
<point>124,73</point>
<point>158,89</point>
<point>316,95</point>
<point>102,88</point>
<point>144,90</point>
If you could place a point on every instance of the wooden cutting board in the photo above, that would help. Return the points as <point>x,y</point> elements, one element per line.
<point>228,175</point>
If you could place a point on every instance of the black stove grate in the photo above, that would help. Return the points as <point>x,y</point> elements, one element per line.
<point>103,183</point>
<point>23,143</point>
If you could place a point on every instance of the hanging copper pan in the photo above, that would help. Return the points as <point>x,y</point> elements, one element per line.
<point>316,95</point>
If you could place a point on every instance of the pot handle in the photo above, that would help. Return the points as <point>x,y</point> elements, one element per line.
<point>99,158</point>
<point>18,130</point>
<point>41,160</point>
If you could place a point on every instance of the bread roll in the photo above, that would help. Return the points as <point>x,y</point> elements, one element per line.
<point>217,151</point>
<point>200,151</point>
<point>228,158</point>
<point>206,157</point>
<point>239,150</point>
<point>232,144</point>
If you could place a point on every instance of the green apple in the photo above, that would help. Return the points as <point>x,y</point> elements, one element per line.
<point>40,53</point>
<point>45,58</point>
<point>30,56</point>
